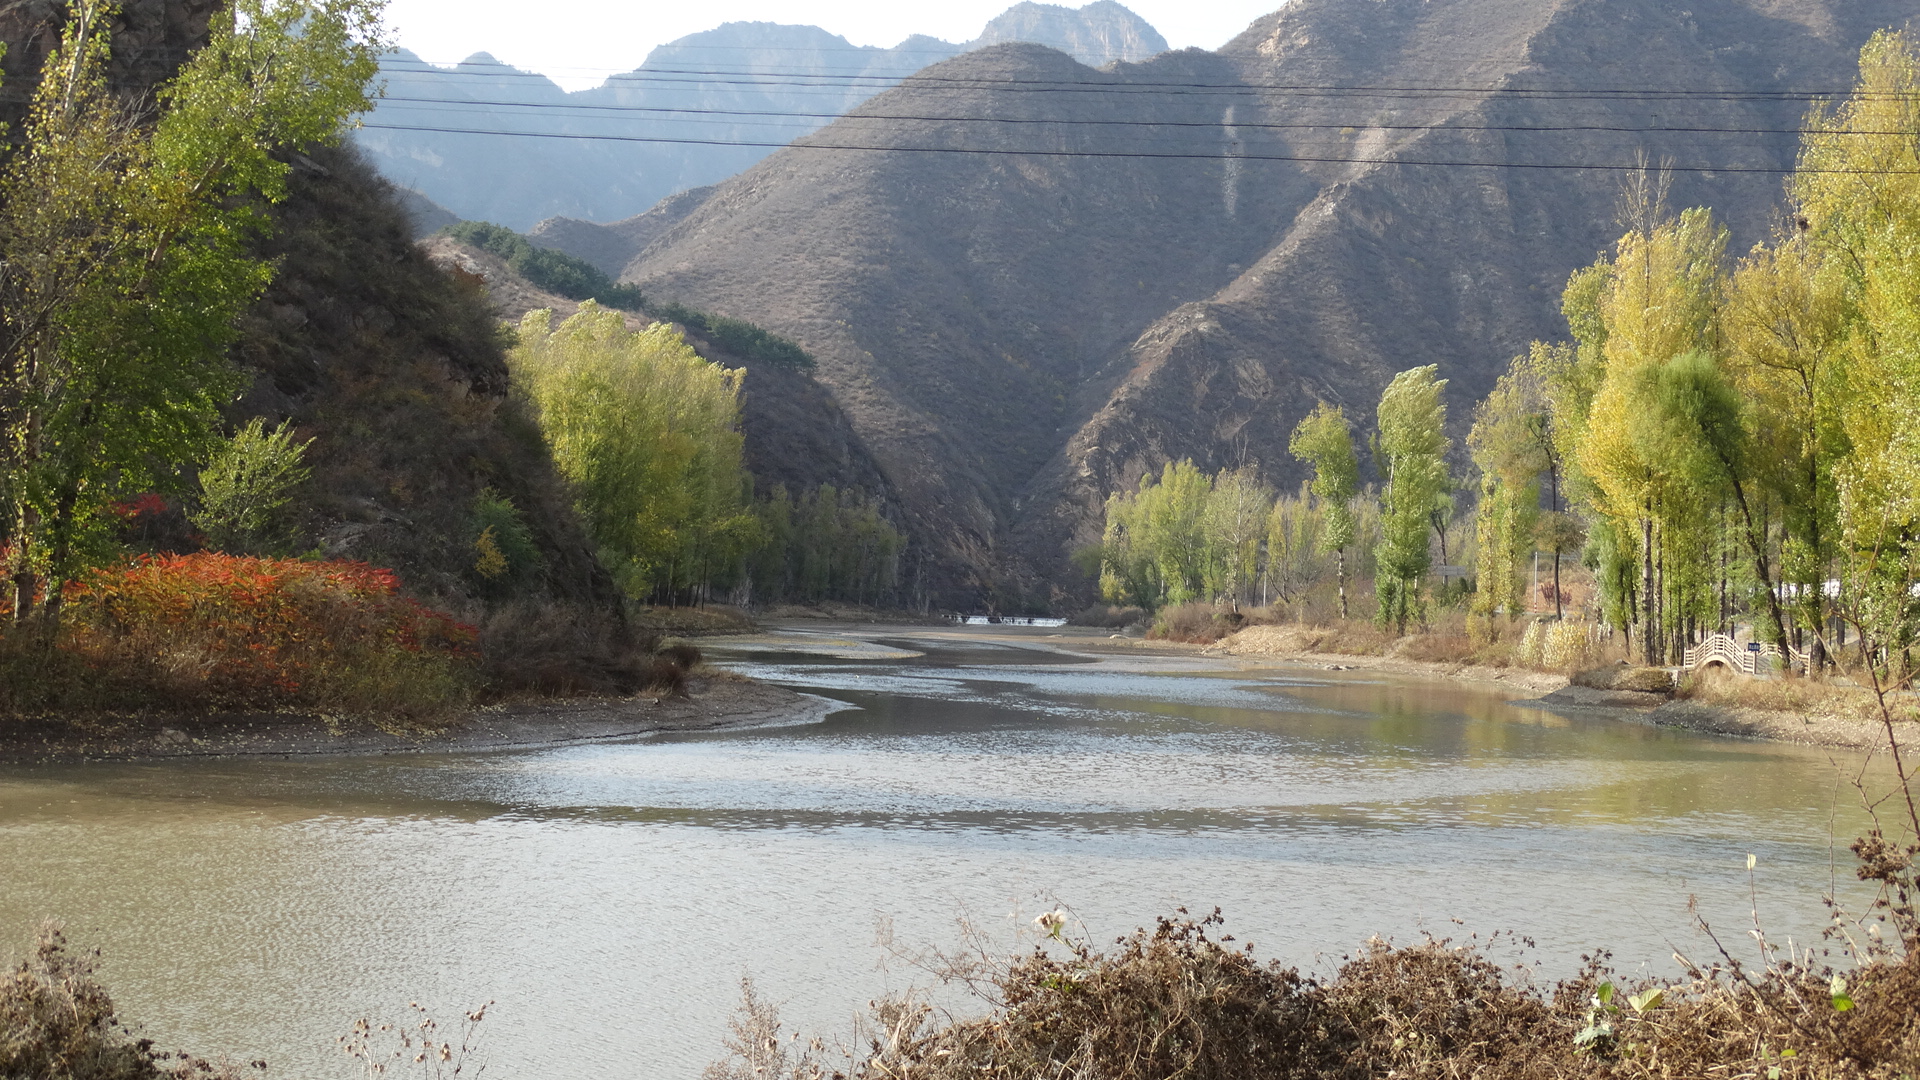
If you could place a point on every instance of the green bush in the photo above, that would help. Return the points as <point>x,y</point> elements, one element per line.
<point>245,487</point>
<point>504,550</point>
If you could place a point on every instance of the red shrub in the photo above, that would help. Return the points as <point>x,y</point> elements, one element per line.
<point>261,633</point>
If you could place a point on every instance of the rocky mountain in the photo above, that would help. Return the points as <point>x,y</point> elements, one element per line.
<point>1095,35</point>
<point>699,110</point>
<point>1029,282</point>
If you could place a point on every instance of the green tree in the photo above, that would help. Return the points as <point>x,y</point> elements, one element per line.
<point>1784,329</point>
<point>247,483</point>
<point>1657,299</point>
<point>1324,441</point>
<point>1234,522</point>
<point>647,433</point>
<point>1412,446</point>
<point>1859,195</point>
<point>1294,551</point>
<point>125,239</point>
<point>1512,446</point>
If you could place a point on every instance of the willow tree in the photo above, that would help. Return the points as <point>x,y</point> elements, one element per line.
<point>1412,449</point>
<point>125,240</point>
<point>647,432</point>
<point>1324,441</point>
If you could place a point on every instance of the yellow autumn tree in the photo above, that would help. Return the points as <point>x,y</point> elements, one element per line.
<point>647,432</point>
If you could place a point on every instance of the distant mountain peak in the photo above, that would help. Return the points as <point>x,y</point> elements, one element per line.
<point>1096,35</point>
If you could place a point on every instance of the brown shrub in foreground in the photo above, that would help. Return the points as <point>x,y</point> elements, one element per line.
<point>1109,617</point>
<point>1195,623</point>
<point>57,1023</point>
<point>544,649</point>
<point>1177,1001</point>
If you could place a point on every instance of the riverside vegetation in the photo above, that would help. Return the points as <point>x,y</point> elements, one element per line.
<point>1721,446</point>
<point>240,410</point>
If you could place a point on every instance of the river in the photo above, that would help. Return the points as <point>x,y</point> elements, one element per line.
<point>608,898</point>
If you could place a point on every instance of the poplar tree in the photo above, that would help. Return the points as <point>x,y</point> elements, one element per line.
<point>1512,446</point>
<point>1323,440</point>
<point>647,432</point>
<point>1859,193</point>
<point>1412,447</point>
<point>1234,521</point>
<point>1655,300</point>
<point>125,241</point>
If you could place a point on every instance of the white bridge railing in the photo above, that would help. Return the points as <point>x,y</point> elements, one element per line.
<point>1752,658</point>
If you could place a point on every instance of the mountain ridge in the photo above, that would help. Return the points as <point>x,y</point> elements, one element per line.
<point>987,320</point>
<point>699,109</point>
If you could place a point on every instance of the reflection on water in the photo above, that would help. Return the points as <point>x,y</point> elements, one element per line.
<point>609,897</point>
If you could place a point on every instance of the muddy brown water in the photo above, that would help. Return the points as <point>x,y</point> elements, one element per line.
<point>608,898</point>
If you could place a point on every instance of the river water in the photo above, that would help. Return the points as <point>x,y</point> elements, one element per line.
<point>608,898</point>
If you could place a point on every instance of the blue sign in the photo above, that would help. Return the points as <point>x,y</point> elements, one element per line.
<point>1753,646</point>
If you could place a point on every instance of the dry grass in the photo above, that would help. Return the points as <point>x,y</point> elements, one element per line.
<point>1786,693</point>
<point>693,621</point>
<point>1451,637</point>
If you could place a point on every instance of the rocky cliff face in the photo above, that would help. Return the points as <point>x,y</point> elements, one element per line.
<point>151,40</point>
<point>1178,258</point>
<point>777,81</point>
<point>1096,35</point>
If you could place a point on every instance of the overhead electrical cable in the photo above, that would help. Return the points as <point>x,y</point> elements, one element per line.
<point>1154,155</point>
<point>703,76</point>
<point>1236,125</point>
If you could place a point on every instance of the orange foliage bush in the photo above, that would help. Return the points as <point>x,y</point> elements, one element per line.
<point>222,631</point>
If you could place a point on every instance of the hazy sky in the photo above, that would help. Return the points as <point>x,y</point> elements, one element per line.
<point>580,42</point>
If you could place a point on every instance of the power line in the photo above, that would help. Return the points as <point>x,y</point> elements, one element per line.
<point>718,76</point>
<point>1152,155</point>
<point>1207,124</point>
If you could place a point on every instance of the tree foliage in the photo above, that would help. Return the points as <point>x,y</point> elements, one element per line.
<point>123,234</point>
<point>554,271</point>
<point>1412,447</point>
<point>648,434</point>
<point>1738,441</point>
<point>825,545</point>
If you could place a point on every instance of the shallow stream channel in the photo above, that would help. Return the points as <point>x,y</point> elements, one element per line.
<point>609,897</point>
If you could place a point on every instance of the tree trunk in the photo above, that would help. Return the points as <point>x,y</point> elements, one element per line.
<point>1649,635</point>
<point>1340,575</point>
<point>1559,614</point>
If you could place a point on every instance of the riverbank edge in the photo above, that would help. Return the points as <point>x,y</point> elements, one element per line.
<point>1557,693</point>
<point>712,702</point>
